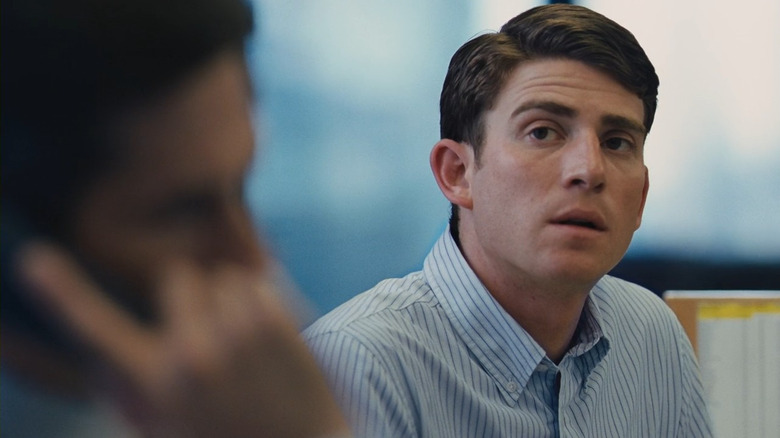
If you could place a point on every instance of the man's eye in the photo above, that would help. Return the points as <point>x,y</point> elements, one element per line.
<point>617,143</point>
<point>541,133</point>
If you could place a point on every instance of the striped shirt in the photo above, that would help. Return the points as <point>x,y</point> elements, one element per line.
<point>434,355</point>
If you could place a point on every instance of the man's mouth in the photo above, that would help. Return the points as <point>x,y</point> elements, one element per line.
<point>579,223</point>
<point>582,219</point>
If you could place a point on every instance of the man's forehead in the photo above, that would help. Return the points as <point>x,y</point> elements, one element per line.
<point>566,87</point>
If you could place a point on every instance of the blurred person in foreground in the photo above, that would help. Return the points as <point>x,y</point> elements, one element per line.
<point>513,328</point>
<point>137,300</point>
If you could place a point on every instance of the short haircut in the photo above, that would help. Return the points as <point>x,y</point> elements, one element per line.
<point>70,66</point>
<point>480,68</point>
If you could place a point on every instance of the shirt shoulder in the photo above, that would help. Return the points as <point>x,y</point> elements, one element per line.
<point>622,300</point>
<point>633,316</point>
<point>375,351</point>
<point>644,326</point>
<point>381,310</point>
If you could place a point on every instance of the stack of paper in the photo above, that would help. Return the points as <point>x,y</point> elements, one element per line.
<point>736,335</point>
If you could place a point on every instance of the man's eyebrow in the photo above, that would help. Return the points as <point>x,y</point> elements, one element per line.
<point>548,106</point>
<point>612,120</point>
<point>625,123</point>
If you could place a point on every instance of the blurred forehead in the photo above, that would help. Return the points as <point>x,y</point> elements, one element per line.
<point>200,129</point>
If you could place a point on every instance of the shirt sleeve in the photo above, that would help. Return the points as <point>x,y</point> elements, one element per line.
<point>695,420</point>
<point>372,395</point>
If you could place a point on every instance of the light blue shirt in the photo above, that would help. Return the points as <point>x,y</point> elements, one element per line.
<point>434,355</point>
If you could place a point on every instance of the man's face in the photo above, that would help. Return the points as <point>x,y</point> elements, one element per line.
<point>177,189</point>
<point>561,183</point>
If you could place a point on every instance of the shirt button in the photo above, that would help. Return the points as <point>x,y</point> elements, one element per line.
<point>511,387</point>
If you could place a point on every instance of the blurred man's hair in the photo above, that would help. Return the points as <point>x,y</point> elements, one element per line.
<point>70,66</point>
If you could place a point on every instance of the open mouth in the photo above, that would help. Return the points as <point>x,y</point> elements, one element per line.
<point>580,223</point>
<point>581,219</point>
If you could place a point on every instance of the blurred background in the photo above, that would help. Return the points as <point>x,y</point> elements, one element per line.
<point>349,112</point>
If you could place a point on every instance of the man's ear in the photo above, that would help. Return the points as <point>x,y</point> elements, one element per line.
<point>645,190</point>
<point>451,165</point>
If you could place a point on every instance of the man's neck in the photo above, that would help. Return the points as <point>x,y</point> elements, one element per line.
<point>551,318</point>
<point>552,323</point>
<point>549,309</point>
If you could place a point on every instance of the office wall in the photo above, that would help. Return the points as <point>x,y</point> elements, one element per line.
<point>349,93</point>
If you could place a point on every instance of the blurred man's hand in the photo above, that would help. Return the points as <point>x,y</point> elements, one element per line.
<point>226,359</point>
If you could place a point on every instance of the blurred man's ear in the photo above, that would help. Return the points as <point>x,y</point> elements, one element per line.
<point>451,163</point>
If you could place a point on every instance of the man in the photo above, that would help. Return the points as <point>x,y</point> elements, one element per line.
<point>512,327</point>
<point>126,141</point>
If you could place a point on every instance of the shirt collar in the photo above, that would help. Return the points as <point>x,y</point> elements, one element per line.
<point>589,330</point>
<point>503,348</point>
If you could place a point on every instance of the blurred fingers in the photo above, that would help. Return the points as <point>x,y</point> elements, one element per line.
<point>83,308</point>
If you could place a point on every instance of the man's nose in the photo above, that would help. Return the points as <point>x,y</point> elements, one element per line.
<point>583,164</point>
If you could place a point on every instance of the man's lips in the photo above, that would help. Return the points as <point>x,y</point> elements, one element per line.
<point>581,218</point>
